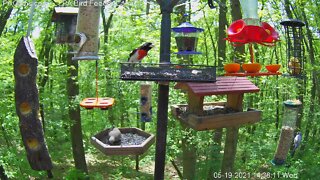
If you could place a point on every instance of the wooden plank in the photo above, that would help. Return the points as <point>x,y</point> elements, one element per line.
<point>201,123</point>
<point>224,85</point>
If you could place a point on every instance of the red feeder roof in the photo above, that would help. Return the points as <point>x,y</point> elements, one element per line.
<point>223,85</point>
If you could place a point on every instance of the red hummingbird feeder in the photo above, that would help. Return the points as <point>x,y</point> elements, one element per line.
<point>251,30</point>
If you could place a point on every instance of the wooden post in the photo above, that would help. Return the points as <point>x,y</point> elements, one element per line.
<point>189,155</point>
<point>234,101</point>
<point>27,105</point>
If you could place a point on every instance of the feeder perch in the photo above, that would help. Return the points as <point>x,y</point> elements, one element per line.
<point>167,72</point>
<point>66,21</point>
<point>186,36</point>
<point>99,141</point>
<point>295,50</point>
<point>102,103</point>
<point>87,34</point>
<point>291,109</point>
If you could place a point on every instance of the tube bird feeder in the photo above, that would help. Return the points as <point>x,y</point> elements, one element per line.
<point>290,116</point>
<point>295,50</point>
<point>87,34</point>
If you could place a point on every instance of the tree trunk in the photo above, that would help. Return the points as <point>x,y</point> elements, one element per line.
<point>314,82</point>
<point>74,115</point>
<point>3,175</point>
<point>45,55</point>
<point>5,13</point>
<point>222,32</point>
<point>287,9</point>
<point>236,14</point>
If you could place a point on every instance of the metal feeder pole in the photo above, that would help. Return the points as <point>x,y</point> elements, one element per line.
<point>163,89</point>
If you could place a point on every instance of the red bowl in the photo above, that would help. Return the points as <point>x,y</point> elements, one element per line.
<point>251,67</point>
<point>231,67</point>
<point>273,68</point>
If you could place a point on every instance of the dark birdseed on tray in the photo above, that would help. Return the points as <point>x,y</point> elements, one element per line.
<point>130,139</point>
<point>207,110</point>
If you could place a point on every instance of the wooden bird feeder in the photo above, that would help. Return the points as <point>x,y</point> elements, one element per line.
<point>99,141</point>
<point>205,116</point>
<point>66,21</point>
<point>215,116</point>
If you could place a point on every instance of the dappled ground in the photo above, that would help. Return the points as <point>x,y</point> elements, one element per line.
<point>110,167</point>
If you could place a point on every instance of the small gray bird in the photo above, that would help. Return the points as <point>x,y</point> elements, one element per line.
<point>114,136</point>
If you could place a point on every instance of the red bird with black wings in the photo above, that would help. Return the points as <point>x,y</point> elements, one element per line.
<point>139,53</point>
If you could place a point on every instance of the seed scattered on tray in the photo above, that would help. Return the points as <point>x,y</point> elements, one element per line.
<point>130,139</point>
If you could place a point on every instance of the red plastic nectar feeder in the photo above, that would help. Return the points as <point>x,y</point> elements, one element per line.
<point>250,30</point>
<point>239,33</point>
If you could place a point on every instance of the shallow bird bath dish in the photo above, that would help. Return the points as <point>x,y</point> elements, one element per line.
<point>134,142</point>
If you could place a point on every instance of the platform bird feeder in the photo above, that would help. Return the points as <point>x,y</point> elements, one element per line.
<point>295,50</point>
<point>134,141</point>
<point>66,21</point>
<point>186,36</point>
<point>290,116</point>
<point>87,33</point>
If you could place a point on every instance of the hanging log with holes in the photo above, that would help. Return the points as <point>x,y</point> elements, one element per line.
<point>27,105</point>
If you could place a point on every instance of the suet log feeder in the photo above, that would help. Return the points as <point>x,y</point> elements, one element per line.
<point>291,109</point>
<point>295,50</point>
<point>186,36</point>
<point>87,34</point>
<point>66,21</point>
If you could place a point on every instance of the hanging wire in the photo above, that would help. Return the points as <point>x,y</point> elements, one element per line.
<point>97,94</point>
<point>30,17</point>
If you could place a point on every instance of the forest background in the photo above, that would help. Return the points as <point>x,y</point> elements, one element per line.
<point>125,25</point>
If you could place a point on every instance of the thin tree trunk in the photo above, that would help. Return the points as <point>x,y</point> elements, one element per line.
<point>74,115</point>
<point>45,55</point>
<point>236,14</point>
<point>314,82</point>
<point>5,13</point>
<point>222,32</point>
<point>287,9</point>
<point>3,175</point>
